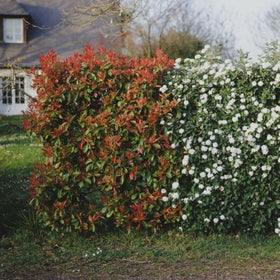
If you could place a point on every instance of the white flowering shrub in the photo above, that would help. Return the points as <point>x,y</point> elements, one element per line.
<point>226,133</point>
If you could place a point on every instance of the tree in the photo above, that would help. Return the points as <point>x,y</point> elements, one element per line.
<point>178,44</point>
<point>145,25</point>
<point>268,27</point>
<point>273,21</point>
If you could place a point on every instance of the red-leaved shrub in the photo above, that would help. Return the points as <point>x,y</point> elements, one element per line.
<point>106,155</point>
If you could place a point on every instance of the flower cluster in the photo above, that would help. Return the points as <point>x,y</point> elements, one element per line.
<point>226,137</point>
<point>94,254</point>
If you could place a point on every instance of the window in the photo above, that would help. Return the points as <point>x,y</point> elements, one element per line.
<point>13,30</point>
<point>19,90</point>
<point>7,91</point>
<point>12,92</point>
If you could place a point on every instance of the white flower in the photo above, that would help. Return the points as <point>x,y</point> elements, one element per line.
<point>178,60</point>
<point>218,97</point>
<point>175,185</point>
<point>191,172</point>
<point>165,198</point>
<point>219,168</point>
<point>277,231</point>
<point>201,186</point>
<point>204,149</point>
<point>203,98</point>
<point>181,130</point>
<point>207,191</point>
<point>175,195</point>
<point>163,89</point>
<point>260,83</point>
<point>260,117</point>
<point>184,171</point>
<point>215,220</point>
<point>276,67</point>
<point>266,65</point>
<point>163,191</point>
<point>264,149</point>
<point>206,220</point>
<point>185,160</point>
<point>191,151</point>
<point>196,180</point>
<point>269,137</point>
<point>186,102</point>
<point>202,174</point>
<point>222,122</point>
<point>184,217</point>
<point>214,151</point>
<point>254,168</point>
<point>222,217</point>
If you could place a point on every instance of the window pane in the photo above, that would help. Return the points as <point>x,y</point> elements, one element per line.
<point>13,30</point>
<point>19,90</point>
<point>7,96</point>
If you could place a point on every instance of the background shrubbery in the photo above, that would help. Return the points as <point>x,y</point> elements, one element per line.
<point>226,135</point>
<point>106,127</point>
<point>107,157</point>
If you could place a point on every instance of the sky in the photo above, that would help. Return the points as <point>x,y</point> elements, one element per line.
<point>243,17</point>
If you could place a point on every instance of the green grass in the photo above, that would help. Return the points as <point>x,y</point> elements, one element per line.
<point>27,252</point>
<point>11,131</point>
<point>140,254</point>
<point>18,153</point>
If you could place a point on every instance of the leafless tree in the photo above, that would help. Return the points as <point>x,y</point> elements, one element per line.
<point>267,28</point>
<point>273,21</point>
<point>143,23</point>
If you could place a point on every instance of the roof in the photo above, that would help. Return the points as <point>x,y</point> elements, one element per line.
<point>50,30</point>
<point>11,7</point>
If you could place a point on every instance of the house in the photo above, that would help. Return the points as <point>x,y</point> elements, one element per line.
<point>29,28</point>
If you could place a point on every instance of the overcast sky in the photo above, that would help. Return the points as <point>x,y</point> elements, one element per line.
<point>244,17</point>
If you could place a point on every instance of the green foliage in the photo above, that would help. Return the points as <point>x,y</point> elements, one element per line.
<point>106,154</point>
<point>226,136</point>
<point>180,44</point>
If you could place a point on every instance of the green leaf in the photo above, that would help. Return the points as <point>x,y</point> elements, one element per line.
<point>156,145</point>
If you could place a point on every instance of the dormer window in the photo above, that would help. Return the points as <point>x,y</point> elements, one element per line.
<point>13,30</point>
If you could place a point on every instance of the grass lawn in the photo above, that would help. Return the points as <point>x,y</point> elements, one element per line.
<point>26,252</point>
